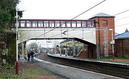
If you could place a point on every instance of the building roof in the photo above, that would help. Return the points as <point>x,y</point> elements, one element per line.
<point>84,41</point>
<point>122,35</point>
<point>102,15</point>
<point>80,40</point>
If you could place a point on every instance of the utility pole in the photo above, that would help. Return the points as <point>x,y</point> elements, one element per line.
<point>112,43</point>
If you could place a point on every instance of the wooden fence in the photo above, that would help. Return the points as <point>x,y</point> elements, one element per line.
<point>122,47</point>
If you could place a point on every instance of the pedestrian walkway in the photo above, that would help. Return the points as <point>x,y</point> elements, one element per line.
<point>29,70</point>
<point>73,73</point>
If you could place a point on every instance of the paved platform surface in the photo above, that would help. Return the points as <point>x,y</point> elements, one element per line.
<point>73,73</point>
<point>89,60</point>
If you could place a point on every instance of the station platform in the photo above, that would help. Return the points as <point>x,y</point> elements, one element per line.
<point>22,58</point>
<point>111,63</point>
<point>71,72</point>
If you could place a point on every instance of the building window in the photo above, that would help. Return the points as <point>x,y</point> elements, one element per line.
<point>105,22</point>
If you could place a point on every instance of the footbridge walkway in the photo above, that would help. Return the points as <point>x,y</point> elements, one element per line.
<point>54,28</point>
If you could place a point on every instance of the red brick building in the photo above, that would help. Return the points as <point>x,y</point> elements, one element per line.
<point>105,31</point>
<point>122,45</point>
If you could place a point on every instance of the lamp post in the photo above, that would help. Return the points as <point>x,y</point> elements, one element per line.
<point>17,63</point>
<point>112,43</point>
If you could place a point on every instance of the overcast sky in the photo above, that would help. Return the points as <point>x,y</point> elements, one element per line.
<point>46,43</point>
<point>67,9</point>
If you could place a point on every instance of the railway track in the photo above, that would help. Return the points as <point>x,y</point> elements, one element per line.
<point>101,68</point>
